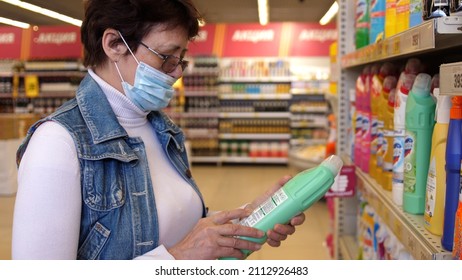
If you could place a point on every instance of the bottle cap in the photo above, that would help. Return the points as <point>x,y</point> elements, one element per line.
<point>422,85</point>
<point>456,110</point>
<point>333,163</point>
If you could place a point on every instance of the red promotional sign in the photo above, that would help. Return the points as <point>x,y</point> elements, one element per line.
<point>10,42</point>
<point>203,43</point>
<point>311,39</point>
<point>56,42</point>
<point>244,40</point>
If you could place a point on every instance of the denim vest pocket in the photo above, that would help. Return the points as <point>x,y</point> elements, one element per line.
<point>94,243</point>
<point>104,184</point>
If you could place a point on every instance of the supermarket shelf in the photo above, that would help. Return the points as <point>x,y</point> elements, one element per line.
<point>349,247</point>
<point>307,124</point>
<point>199,159</point>
<point>282,79</point>
<point>191,93</point>
<point>409,229</point>
<point>308,91</point>
<point>319,109</point>
<point>307,142</point>
<point>236,159</point>
<point>255,136</point>
<point>260,160</point>
<point>256,115</point>
<point>200,132</point>
<point>193,114</point>
<point>256,96</point>
<point>436,34</point>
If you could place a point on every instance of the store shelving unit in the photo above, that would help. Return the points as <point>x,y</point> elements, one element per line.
<point>438,39</point>
<point>199,108</point>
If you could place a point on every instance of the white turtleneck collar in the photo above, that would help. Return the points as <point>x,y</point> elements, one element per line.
<point>127,113</point>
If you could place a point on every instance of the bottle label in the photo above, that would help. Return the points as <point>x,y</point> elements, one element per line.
<point>430,197</point>
<point>265,208</point>
<point>409,162</point>
<point>398,159</point>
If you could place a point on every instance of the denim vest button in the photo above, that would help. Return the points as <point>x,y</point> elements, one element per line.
<point>188,173</point>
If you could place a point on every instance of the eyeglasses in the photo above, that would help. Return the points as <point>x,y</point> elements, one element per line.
<point>170,62</point>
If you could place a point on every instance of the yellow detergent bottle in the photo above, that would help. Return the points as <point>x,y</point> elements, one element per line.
<point>436,180</point>
<point>390,18</point>
<point>402,15</point>
<point>388,136</point>
<point>388,84</point>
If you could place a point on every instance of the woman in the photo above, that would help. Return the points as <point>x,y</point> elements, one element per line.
<point>106,176</point>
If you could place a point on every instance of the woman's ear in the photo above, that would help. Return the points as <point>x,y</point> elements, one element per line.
<point>112,49</point>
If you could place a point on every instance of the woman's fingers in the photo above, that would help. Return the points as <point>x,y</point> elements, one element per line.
<point>224,217</point>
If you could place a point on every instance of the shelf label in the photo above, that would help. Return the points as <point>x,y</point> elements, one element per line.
<point>396,46</point>
<point>457,79</point>
<point>415,40</point>
<point>31,86</point>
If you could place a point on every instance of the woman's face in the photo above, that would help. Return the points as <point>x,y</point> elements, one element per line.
<point>164,42</point>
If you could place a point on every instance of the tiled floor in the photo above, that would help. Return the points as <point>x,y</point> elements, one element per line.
<point>227,187</point>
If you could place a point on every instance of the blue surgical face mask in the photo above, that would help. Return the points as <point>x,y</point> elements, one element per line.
<point>152,89</point>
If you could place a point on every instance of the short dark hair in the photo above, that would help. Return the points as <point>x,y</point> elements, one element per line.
<point>134,19</point>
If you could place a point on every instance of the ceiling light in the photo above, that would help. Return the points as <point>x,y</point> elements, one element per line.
<point>333,10</point>
<point>14,23</point>
<point>43,11</point>
<point>263,12</point>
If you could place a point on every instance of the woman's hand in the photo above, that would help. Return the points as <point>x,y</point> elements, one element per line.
<point>215,236</point>
<point>279,232</point>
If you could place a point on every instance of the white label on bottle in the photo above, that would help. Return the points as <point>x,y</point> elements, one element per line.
<point>431,190</point>
<point>265,208</point>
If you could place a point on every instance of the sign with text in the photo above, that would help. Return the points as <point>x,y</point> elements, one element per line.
<point>244,40</point>
<point>204,41</point>
<point>311,39</point>
<point>10,42</point>
<point>53,42</point>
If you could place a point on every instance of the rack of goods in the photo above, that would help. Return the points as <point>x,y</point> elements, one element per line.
<point>379,81</point>
<point>254,114</point>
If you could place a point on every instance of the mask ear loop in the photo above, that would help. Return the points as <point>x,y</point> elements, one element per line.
<point>122,37</point>
<point>117,67</point>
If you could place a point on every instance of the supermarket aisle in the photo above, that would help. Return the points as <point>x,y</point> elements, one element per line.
<point>228,187</point>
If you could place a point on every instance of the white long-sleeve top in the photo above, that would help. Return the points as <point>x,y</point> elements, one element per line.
<point>49,200</point>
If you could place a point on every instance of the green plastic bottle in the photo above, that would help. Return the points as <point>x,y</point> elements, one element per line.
<point>297,195</point>
<point>420,119</point>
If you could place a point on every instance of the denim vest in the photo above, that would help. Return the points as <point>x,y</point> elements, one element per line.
<point>119,217</point>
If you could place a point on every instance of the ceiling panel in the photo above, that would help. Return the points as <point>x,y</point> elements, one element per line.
<point>214,11</point>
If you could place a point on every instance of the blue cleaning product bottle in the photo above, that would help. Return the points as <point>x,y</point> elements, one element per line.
<point>420,119</point>
<point>453,160</point>
<point>377,19</point>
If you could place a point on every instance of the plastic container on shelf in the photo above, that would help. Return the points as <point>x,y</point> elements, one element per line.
<point>362,25</point>
<point>415,12</point>
<point>402,15</point>
<point>404,85</point>
<point>377,19</point>
<point>420,119</point>
<point>436,181</point>
<point>388,138</point>
<point>457,247</point>
<point>366,137</point>
<point>390,18</point>
<point>453,160</point>
<point>360,92</point>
